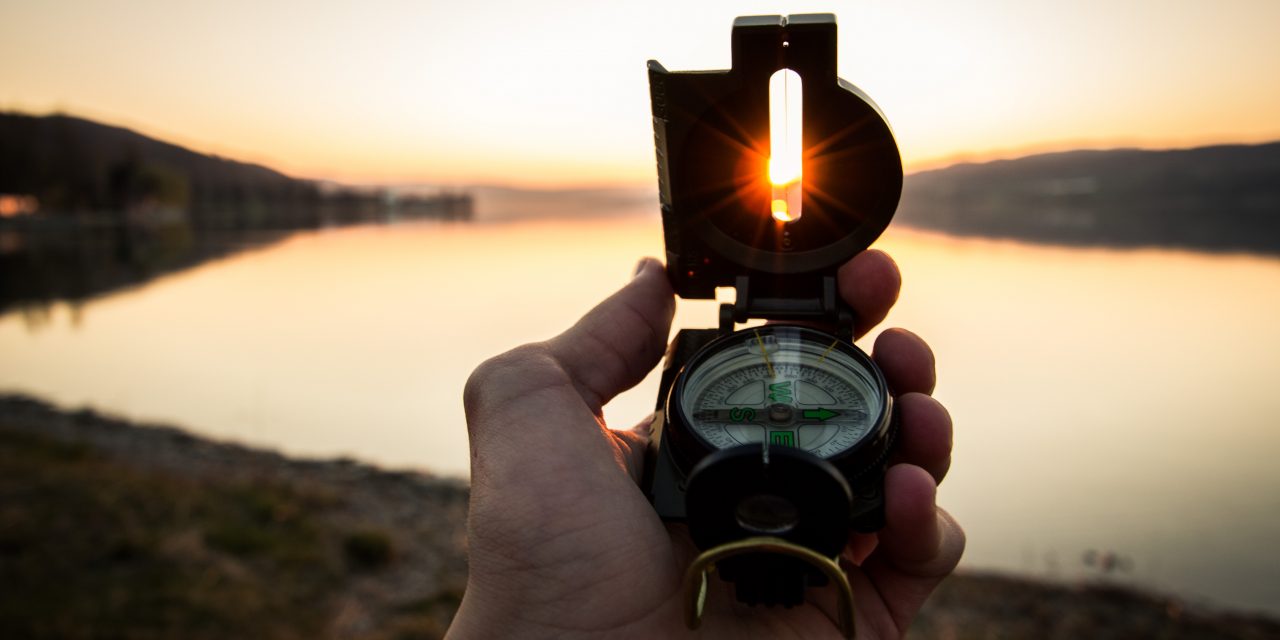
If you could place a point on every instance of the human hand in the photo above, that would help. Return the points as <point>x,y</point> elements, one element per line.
<point>562,541</point>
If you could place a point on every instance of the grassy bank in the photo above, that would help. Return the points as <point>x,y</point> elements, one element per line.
<point>113,530</point>
<point>110,530</point>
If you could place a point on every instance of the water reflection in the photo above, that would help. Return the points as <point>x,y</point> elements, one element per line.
<point>71,259</point>
<point>1113,402</point>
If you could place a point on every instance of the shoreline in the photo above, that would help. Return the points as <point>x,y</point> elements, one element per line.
<point>110,527</point>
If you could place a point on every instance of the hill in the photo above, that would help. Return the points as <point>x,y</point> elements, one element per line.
<point>75,165</point>
<point>80,167</point>
<point>35,146</point>
<point>1220,198</point>
<point>87,208</point>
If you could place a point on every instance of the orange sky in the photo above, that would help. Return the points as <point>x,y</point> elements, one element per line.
<point>554,93</point>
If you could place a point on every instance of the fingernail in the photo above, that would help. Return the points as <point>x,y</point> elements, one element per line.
<point>639,267</point>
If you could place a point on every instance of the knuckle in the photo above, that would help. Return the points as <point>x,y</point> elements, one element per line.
<point>493,376</point>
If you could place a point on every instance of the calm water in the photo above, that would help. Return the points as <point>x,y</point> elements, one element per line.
<point>1120,401</point>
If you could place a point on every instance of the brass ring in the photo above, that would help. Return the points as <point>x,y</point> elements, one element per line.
<point>695,578</point>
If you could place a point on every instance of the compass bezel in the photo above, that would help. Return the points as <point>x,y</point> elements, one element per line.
<point>689,447</point>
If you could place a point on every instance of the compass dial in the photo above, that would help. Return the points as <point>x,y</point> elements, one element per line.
<point>789,386</point>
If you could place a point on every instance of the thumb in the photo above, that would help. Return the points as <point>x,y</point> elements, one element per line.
<point>569,378</point>
<point>615,345</point>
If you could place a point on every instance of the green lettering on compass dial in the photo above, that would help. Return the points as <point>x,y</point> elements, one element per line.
<point>780,392</point>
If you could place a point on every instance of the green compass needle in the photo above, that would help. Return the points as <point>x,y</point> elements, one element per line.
<point>820,414</point>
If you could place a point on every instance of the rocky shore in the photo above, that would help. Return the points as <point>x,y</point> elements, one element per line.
<point>110,529</point>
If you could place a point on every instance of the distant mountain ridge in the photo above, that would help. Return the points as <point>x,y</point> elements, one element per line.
<point>80,168</point>
<point>70,161</point>
<point>1222,197</point>
<point>88,208</point>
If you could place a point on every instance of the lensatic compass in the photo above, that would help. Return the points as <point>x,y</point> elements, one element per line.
<point>774,439</point>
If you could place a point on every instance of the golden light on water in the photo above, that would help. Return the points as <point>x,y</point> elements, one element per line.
<point>352,342</point>
<point>786,144</point>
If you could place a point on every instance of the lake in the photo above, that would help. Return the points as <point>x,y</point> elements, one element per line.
<point>1118,402</point>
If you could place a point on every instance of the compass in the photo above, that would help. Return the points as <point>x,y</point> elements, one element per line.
<point>773,439</point>
<point>782,386</point>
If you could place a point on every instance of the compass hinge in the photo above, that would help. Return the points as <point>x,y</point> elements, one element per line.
<point>756,302</point>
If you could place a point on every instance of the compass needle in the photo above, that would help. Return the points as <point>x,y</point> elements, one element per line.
<point>824,353</point>
<point>765,353</point>
<point>830,389</point>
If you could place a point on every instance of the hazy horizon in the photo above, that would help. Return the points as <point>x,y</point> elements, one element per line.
<point>555,94</point>
<point>959,159</point>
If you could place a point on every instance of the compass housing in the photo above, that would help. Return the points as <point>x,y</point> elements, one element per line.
<point>712,137</point>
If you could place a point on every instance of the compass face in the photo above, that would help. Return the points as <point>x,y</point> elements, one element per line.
<point>789,386</point>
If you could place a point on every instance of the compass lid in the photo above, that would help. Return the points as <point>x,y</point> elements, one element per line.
<point>715,139</point>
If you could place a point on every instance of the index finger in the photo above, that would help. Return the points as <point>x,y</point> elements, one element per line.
<point>869,283</point>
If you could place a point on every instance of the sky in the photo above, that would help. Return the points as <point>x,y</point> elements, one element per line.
<point>554,93</point>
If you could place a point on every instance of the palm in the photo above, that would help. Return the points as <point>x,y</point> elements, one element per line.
<point>614,562</point>
<point>563,541</point>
